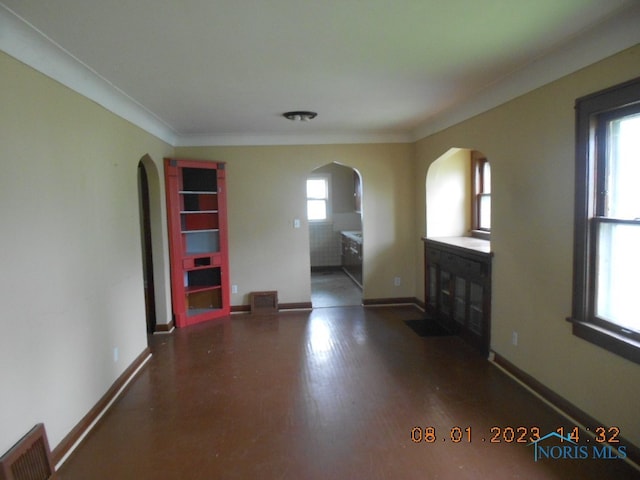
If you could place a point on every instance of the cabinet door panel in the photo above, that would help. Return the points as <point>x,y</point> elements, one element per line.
<point>432,293</point>
<point>445,293</point>
<point>476,312</point>
<point>460,303</point>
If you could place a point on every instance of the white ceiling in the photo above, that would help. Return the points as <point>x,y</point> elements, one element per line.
<point>223,71</point>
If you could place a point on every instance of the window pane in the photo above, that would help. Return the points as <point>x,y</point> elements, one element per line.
<point>316,188</point>
<point>484,222</point>
<point>617,284</point>
<point>624,168</point>
<point>486,178</point>
<point>316,209</point>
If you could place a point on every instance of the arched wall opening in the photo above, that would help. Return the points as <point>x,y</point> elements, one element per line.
<point>144,204</point>
<point>457,273</point>
<point>154,247</point>
<point>336,241</point>
<point>458,195</point>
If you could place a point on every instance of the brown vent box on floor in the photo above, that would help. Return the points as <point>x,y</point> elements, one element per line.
<point>29,459</point>
<point>264,302</point>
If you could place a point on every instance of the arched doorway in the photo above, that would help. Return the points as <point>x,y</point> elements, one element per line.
<point>147,250</point>
<point>334,214</point>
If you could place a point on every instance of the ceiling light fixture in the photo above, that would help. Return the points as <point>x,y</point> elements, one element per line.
<point>299,116</point>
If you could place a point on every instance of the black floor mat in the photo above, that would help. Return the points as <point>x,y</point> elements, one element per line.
<point>427,328</point>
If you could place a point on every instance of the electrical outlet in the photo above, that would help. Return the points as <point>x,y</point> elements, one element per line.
<point>115,354</point>
<point>234,288</point>
<point>514,338</point>
<point>396,281</point>
<point>296,223</point>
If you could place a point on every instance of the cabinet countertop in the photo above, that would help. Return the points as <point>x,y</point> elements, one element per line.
<point>353,235</point>
<point>470,243</point>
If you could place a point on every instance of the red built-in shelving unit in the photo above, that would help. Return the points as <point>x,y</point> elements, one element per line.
<point>198,245</point>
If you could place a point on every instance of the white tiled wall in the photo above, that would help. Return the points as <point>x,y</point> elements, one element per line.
<point>324,239</point>
<point>324,244</point>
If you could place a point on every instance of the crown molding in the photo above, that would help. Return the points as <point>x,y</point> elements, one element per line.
<point>611,36</point>
<point>292,139</point>
<point>23,41</point>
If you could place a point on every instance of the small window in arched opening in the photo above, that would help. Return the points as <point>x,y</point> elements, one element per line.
<point>481,195</point>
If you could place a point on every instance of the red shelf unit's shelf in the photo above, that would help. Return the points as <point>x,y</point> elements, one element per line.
<point>198,246</point>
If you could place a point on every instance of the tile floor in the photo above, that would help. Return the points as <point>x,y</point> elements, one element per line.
<point>333,288</point>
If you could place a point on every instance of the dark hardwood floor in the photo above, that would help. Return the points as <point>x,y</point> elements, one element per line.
<point>329,394</point>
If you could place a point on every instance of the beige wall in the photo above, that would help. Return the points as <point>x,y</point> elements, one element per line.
<point>71,284</point>
<point>266,192</point>
<point>530,144</point>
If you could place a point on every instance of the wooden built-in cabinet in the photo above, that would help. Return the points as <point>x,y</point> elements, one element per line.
<point>458,286</point>
<point>198,247</point>
<point>352,255</point>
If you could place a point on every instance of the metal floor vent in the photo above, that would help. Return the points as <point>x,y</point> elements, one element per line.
<point>29,459</point>
<point>264,302</point>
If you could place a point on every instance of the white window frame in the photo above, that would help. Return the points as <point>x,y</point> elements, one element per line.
<point>327,179</point>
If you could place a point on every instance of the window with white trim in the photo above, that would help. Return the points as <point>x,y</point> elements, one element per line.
<point>318,198</point>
